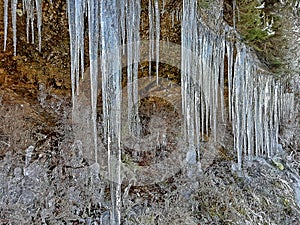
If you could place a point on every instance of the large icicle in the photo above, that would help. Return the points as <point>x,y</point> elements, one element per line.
<point>157,36</point>
<point>93,18</point>
<point>123,14</point>
<point>189,76</point>
<point>5,22</point>
<point>221,49</point>
<point>130,43</point>
<point>237,94</point>
<point>38,4</point>
<point>136,59</point>
<point>133,58</point>
<point>111,94</point>
<point>76,9</point>
<point>229,51</point>
<point>151,33</point>
<point>79,24</point>
<point>184,61</point>
<point>72,34</point>
<point>14,23</point>
<point>249,103</point>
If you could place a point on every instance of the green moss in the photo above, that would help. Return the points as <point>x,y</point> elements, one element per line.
<point>204,4</point>
<point>251,21</point>
<point>253,24</point>
<point>255,34</point>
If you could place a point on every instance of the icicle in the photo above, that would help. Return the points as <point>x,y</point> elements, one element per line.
<point>250,72</point>
<point>38,4</point>
<point>151,34</point>
<point>260,115</point>
<point>79,23</point>
<point>130,28</point>
<point>93,13</point>
<point>190,78</point>
<point>28,17</point>
<point>133,57</point>
<point>14,23</point>
<point>217,62</point>
<point>256,121</point>
<point>266,117</point>
<point>23,5</point>
<point>111,97</point>
<point>233,12</point>
<point>157,36</point>
<point>271,116</point>
<point>163,7</point>
<point>206,79</point>
<point>32,22</point>
<point>208,82</point>
<point>229,48</point>
<point>276,116</point>
<point>123,23</point>
<point>238,119</point>
<point>76,10</point>
<point>290,104</point>
<point>72,34</point>
<point>79,40</point>
<point>5,22</point>
<point>244,106</point>
<point>221,68</point>
<point>172,16</point>
<point>193,84</point>
<point>29,9</point>
<point>197,89</point>
<point>184,53</point>
<point>136,59</point>
<point>235,118</point>
<point>201,83</point>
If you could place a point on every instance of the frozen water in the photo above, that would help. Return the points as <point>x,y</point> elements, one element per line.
<point>38,5</point>
<point>257,102</point>
<point>255,105</point>
<point>5,22</point>
<point>111,95</point>
<point>29,7</point>
<point>157,35</point>
<point>14,23</point>
<point>28,154</point>
<point>191,156</point>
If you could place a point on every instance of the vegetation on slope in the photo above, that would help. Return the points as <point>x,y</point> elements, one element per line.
<point>260,24</point>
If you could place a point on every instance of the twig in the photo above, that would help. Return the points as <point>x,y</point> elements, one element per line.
<point>5,143</point>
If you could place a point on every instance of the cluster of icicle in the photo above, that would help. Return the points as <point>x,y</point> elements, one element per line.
<point>114,31</point>
<point>256,99</point>
<point>202,64</point>
<point>28,7</point>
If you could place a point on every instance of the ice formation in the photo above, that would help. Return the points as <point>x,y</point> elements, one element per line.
<point>256,101</point>
<point>255,97</point>
<point>29,6</point>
